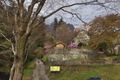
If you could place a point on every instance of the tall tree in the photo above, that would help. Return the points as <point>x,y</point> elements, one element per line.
<point>104,30</point>
<point>19,22</point>
<point>64,33</point>
<point>55,24</point>
<point>6,56</point>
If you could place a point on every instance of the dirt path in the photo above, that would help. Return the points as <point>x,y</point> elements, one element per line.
<point>39,71</point>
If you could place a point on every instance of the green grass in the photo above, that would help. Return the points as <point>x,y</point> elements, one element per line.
<point>111,57</point>
<point>84,72</point>
<point>27,72</point>
<point>79,59</point>
<point>106,72</point>
<point>28,69</point>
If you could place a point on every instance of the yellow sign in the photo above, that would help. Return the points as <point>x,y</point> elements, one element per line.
<point>54,68</point>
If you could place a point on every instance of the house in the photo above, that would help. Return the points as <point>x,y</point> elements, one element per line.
<point>60,44</point>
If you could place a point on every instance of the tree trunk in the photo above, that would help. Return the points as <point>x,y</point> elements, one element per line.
<point>18,73</point>
<point>12,72</point>
<point>17,69</point>
<point>18,64</point>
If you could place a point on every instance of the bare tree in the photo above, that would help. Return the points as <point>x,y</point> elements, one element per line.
<point>64,33</point>
<point>21,20</point>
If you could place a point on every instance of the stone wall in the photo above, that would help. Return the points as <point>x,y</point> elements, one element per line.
<point>85,62</point>
<point>68,54</point>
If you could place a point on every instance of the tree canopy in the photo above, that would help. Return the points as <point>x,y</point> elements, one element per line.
<point>104,29</point>
<point>64,33</point>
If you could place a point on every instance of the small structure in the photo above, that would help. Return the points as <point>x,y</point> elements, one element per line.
<point>60,44</point>
<point>47,48</point>
<point>55,69</point>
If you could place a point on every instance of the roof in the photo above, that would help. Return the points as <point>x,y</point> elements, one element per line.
<point>60,42</point>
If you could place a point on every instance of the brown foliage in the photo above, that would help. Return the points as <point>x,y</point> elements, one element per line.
<point>104,29</point>
<point>64,33</point>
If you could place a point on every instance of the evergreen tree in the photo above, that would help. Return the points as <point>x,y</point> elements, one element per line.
<point>55,24</point>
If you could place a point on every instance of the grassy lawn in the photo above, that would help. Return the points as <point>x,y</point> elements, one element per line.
<point>106,72</point>
<point>84,72</point>
<point>28,71</point>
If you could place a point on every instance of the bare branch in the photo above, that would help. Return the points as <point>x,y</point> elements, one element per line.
<point>75,15</point>
<point>8,17</point>
<point>16,24</point>
<point>106,7</point>
<point>12,45</point>
<point>27,49</point>
<point>12,72</point>
<point>15,48</point>
<point>84,3</point>
<point>40,6</point>
<point>30,8</point>
<point>41,20</point>
<point>22,1</point>
<point>3,46</point>
<point>18,1</point>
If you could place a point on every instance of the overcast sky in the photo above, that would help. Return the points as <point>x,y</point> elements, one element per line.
<point>85,12</point>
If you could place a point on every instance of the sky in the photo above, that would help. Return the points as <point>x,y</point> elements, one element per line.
<point>85,12</point>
